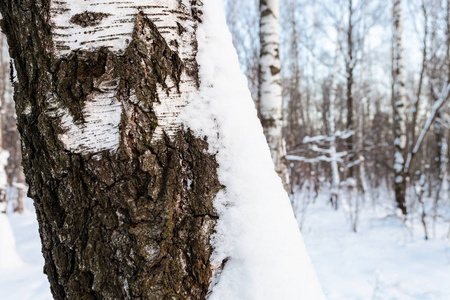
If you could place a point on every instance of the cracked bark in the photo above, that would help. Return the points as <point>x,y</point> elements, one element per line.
<point>128,223</point>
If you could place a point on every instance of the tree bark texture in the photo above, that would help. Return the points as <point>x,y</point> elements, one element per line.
<point>124,204</point>
<point>270,98</point>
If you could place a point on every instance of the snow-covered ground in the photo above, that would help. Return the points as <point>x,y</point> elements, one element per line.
<point>384,260</point>
<point>21,262</point>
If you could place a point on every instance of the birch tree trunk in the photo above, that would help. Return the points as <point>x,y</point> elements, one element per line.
<point>399,105</point>
<point>271,102</point>
<point>123,195</point>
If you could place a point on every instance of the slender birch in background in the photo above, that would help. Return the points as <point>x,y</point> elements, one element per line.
<point>335,178</point>
<point>399,106</point>
<point>363,186</point>
<point>330,154</point>
<point>350,62</point>
<point>440,130</point>
<point>270,100</point>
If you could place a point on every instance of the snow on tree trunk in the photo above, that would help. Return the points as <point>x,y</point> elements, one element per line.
<point>270,100</point>
<point>399,105</point>
<point>257,237</point>
<point>127,205</point>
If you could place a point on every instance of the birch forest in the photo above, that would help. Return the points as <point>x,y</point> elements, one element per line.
<point>364,98</point>
<point>225,149</point>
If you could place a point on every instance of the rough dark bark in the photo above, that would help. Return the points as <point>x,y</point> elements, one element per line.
<point>127,224</point>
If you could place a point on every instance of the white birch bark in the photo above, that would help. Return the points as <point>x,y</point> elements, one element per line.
<point>399,106</point>
<point>87,25</point>
<point>271,106</point>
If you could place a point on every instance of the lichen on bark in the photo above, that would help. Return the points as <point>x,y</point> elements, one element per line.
<point>135,222</point>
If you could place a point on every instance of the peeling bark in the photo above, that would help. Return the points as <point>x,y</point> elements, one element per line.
<point>130,220</point>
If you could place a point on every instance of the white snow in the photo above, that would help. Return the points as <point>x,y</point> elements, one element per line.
<point>8,256</point>
<point>256,230</point>
<point>21,261</point>
<point>386,259</point>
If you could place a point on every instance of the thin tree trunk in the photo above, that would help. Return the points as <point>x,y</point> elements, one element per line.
<point>271,102</point>
<point>123,195</point>
<point>362,185</point>
<point>349,66</point>
<point>335,178</point>
<point>399,104</point>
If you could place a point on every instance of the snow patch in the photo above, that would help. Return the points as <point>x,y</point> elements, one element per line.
<point>8,255</point>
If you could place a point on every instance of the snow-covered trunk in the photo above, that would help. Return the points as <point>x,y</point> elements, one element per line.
<point>335,178</point>
<point>270,100</point>
<point>123,195</point>
<point>3,153</point>
<point>399,105</point>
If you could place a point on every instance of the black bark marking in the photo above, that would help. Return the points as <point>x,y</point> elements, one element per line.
<point>88,19</point>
